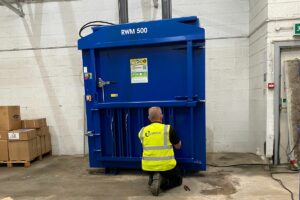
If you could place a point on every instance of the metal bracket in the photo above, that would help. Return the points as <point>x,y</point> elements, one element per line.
<point>102,83</point>
<point>18,10</point>
<point>89,133</point>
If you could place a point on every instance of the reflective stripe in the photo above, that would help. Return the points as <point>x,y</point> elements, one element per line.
<point>165,135</point>
<point>159,158</point>
<point>141,136</point>
<point>158,147</point>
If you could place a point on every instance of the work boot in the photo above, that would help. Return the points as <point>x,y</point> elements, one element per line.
<point>155,186</point>
<point>150,180</point>
<point>164,184</point>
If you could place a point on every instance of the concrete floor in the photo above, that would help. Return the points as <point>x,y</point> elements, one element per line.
<point>66,177</point>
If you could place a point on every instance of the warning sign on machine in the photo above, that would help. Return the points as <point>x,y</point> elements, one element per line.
<point>139,70</point>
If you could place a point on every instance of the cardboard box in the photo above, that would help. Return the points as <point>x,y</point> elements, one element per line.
<point>44,137</point>
<point>10,118</point>
<point>39,132</point>
<point>4,150</point>
<point>43,144</point>
<point>38,145</point>
<point>3,135</point>
<point>20,150</point>
<point>44,130</point>
<point>48,143</point>
<point>34,123</point>
<point>22,134</point>
<point>22,145</point>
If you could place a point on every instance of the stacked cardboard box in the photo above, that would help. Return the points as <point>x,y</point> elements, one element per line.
<point>43,134</point>
<point>48,146</point>
<point>3,146</point>
<point>22,140</point>
<point>22,145</point>
<point>9,120</point>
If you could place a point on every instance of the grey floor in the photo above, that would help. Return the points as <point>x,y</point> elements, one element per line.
<point>66,177</point>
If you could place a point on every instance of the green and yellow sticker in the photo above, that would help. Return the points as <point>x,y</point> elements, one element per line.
<point>139,70</point>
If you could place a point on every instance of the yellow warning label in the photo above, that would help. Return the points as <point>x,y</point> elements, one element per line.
<point>114,95</point>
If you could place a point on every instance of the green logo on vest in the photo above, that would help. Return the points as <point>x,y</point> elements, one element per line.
<point>148,133</point>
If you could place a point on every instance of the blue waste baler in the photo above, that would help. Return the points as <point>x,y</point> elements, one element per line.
<point>131,67</point>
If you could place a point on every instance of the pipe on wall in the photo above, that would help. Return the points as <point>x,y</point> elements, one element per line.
<point>166,9</point>
<point>123,11</point>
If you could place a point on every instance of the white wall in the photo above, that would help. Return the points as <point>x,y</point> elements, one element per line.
<point>257,68</point>
<point>47,82</point>
<point>228,95</point>
<point>227,72</point>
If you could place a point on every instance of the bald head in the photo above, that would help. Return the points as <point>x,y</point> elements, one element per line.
<point>155,114</point>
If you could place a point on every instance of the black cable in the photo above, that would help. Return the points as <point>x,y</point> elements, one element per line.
<point>271,173</point>
<point>99,23</point>
<point>90,25</point>
<point>288,155</point>
<point>282,185</point>
<point>236,165</point>
<point>292,172</point>
<point>94,24</point>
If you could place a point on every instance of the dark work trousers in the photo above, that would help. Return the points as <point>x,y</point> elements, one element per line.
<point>171,178</point>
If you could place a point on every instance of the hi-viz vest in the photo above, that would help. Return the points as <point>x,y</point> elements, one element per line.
<point>158,153</point>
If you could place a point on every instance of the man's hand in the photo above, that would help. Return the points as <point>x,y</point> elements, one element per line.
<point>178,145</point>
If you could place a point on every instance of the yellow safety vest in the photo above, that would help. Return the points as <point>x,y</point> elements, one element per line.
<point>158,153</point>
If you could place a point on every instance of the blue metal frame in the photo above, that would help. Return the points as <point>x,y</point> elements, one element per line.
<point>175,49</point>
